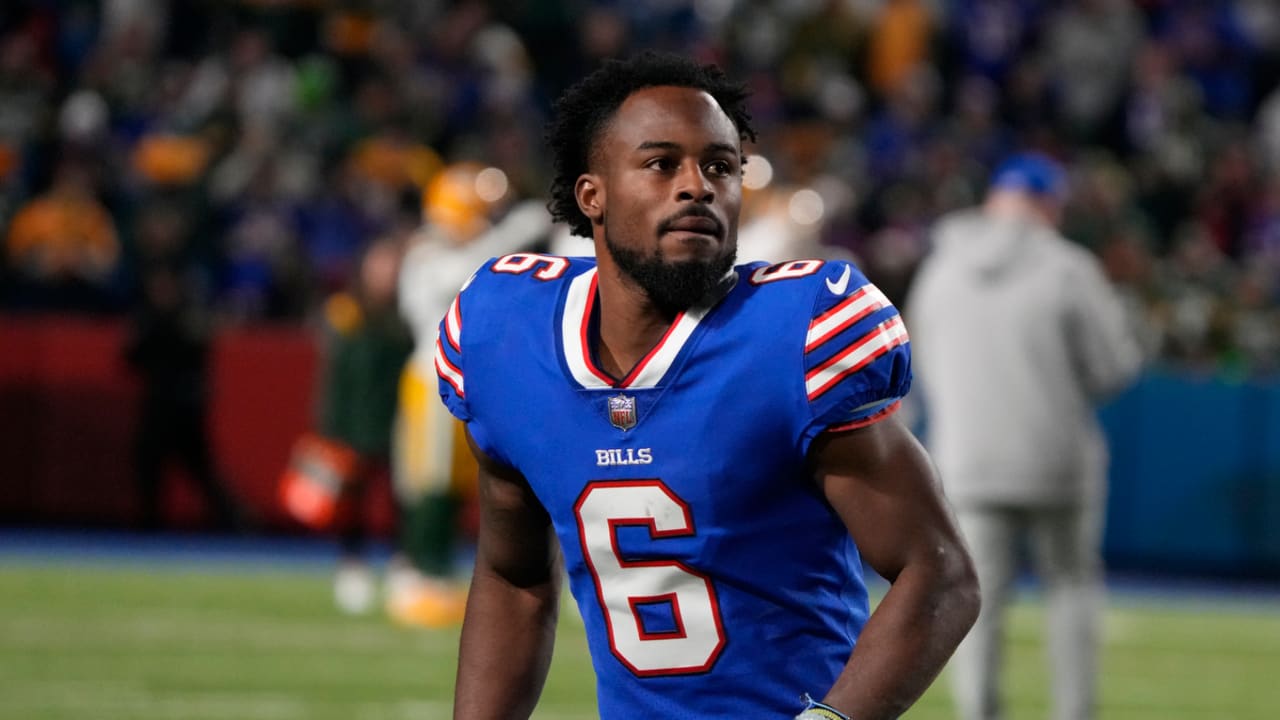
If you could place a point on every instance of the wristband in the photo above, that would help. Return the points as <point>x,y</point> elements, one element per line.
<point>814,710</point>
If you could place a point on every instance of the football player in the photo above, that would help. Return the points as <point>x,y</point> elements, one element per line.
<point>468,217</point>
<point>712,449</point>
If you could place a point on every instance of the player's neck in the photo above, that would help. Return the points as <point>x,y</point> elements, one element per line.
<point>630,324</point>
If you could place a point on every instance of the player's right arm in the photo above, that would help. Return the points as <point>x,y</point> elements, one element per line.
<point>510,625</point>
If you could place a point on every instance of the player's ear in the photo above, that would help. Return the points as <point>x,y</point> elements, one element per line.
<point>590,194</point>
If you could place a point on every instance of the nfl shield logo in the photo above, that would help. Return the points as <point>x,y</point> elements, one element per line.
<point>622,412</point>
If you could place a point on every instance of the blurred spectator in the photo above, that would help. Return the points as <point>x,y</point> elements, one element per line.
<point>989,35</point>
<point>471,215</point>
<point>896,137</point>
<point>1268,128</point>
<point>334,228</point>
<point>170,160</point>
<point>1130,264</point>
<point>263,83</point>
<point>974,128</point>
<point>1089,47</point>
<point>62,246</point>
<point>264,275</point>
<point>164,236</point>
<point>168,348</point>
<point>368,345</point>
<point>1262,242</point>
<point>1159,100</point>
<point>1227,197</point>
<point>1191,307</point>
<point>1102,206</point>
<point>1253,326</point>
<point>901,41</point>
<point>1017,336</point>
<point>1214,50</point>
<point>26,88</point>
<point>298,131</point>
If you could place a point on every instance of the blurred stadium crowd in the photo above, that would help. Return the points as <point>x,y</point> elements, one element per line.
<point>257,147</point>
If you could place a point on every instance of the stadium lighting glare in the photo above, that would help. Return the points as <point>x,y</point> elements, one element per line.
<point>757,173</point>
<point>806,207</point>
<point>491,184</point>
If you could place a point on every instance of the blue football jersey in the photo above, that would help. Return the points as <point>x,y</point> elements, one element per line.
<point>713,578</point>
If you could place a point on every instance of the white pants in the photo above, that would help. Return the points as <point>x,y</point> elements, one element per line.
<point>1065,544</point>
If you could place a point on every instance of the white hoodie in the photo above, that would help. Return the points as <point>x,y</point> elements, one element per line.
<point>1016,335</point>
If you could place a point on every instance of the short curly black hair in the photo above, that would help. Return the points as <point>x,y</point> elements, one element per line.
<point>586,107</point>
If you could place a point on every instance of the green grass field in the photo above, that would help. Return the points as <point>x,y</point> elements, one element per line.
<point>134,643</point>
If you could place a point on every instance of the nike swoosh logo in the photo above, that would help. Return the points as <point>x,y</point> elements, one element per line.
<point>838,287</point>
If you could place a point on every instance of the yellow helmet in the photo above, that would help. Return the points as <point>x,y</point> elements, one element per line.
<point>452,201</point>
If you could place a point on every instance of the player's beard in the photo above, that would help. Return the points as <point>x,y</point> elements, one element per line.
<point>673,286</point>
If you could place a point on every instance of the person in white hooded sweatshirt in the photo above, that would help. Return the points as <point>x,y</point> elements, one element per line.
<point>1017,336</point>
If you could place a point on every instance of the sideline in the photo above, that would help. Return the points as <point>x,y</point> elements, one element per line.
<point>318,554</point>
<point>212,552</point>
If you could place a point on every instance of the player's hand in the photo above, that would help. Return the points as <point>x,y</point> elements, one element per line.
<point>815,710</point>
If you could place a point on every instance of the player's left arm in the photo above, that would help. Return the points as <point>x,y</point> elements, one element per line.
<point>881,483</point>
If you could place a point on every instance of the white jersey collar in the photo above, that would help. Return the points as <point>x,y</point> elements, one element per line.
<point>652,368</point>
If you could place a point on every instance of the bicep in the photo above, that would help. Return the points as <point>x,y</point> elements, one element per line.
<point>882,484</point>
<point>515,534</point>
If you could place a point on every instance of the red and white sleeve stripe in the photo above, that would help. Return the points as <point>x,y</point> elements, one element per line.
<point>451,373</point>
<point>861,352</point>
<point>453,325</point>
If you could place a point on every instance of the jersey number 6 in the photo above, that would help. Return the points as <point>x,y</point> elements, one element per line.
<point>549,267</point>
<point>691,641</point>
